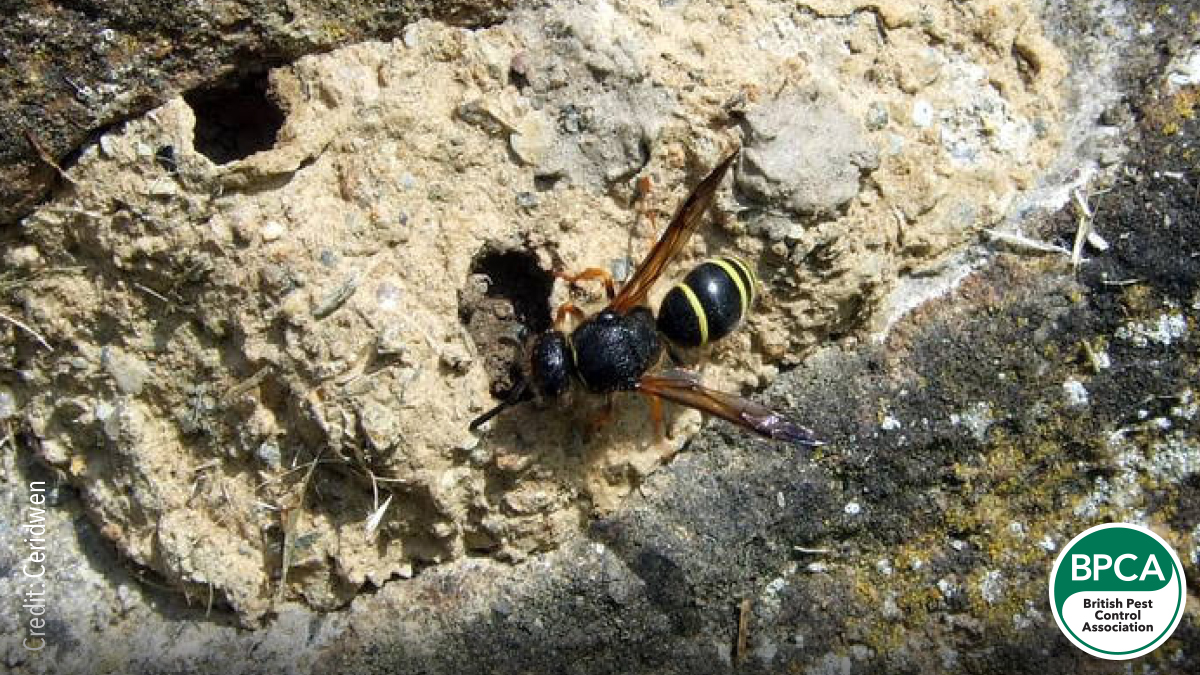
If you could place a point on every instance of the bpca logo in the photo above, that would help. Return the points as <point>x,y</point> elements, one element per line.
<point>1117,591</point>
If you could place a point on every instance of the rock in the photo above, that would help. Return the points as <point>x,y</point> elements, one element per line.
<point>22,257</point>
<point>533,141</point>
<point>128,372</point>
<point>804,153</point>
<point>8,404</point>
<point>539,518</point>
<point>109,63</point>
<point>269,454</point>
<point>272,230</point>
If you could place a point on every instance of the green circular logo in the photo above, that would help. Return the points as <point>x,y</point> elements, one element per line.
<point>1117,591</point>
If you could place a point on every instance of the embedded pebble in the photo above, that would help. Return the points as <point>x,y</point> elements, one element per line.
<point>1076,394</point>
<point>877,117</point>
<point>272,230</point>
<point>128,372</point>
<point>22,257</point>
<point>526,200</point>
<point>269,454</point>
<point>390,341</point>
<point>922,113</point>
<point>8,404</point>
<point>804,153</point>
<point>532,140</point>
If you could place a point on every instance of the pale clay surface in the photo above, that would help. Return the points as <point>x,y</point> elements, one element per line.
<point>229,324</point>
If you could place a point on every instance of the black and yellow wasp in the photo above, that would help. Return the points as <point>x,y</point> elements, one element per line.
<point>617,348</point>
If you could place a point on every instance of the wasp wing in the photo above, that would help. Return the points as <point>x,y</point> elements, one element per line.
<point>683,387</point>
<point>683,224</point>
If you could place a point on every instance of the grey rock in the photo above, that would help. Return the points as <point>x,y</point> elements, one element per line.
<point>610,134</point>
<point>128,372</point>
<point>804,153</point>
<point>269,454</point>
<point>8,404</point>
<point>877,117</point>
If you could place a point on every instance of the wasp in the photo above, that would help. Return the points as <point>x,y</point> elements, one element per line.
<point>619,348</point>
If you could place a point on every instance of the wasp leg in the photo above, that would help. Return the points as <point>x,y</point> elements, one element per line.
<point>564,310</point>
<point>610,286</point>
<point>644,186</point>
<point>603,417</point>
<point>661,432</point>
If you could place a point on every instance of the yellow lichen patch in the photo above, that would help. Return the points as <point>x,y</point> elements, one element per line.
<point>1167,113</point>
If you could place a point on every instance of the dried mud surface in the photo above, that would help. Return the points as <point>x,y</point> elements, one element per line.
<point>74,69</point>
<point>270,363</point>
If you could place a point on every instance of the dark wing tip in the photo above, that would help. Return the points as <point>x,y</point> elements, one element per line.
<point>799,436</point>
<point>780,428</point>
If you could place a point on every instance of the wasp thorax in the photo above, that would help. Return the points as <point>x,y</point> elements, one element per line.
<point>612,351</point>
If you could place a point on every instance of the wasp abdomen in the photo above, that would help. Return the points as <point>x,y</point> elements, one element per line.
<point>709,303</point>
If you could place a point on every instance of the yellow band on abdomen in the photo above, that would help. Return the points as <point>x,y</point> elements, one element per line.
<point>701,319</point>
<point>737,279</point>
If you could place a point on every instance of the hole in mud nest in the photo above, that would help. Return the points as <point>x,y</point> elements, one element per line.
<point>235,119</point>
<point>515,277</point>
<point>506,297</point>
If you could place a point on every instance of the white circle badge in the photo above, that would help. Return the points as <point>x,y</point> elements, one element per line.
<point>1117,591</point>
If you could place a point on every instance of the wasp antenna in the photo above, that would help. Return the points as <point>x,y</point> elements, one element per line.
<point>519,395</point>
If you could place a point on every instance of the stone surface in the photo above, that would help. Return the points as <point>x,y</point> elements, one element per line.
<point>805,154</point>
<point>916,540</point>
<point>264,267</point>
<point>73,69</point>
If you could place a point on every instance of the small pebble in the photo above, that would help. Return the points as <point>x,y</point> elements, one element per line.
<point>922,113</point>
<point>128,372</point>
<point>411,37</point>
<point>272,230</point>
<point>22,257</point>
<point>455,357</point>
<point>877,117</point>
<point>532,139</point>
<point>268,453</point>
<point>1076,394</point>
<point>390,341</point>
<point>388,296</point>
<point>108,146</point>
<point>527,200</point>
<point>8,404</point>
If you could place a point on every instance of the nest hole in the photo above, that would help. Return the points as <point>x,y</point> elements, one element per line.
<point>507,297</point>
<point>235,119</point>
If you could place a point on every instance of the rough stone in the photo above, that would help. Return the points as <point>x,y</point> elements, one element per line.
<point>74,69</point>
<point>804,153</point>
<point>532,549</point>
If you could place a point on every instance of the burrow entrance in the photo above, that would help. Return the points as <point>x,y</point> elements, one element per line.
<point>235,119</point>
<point>506,298</point>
